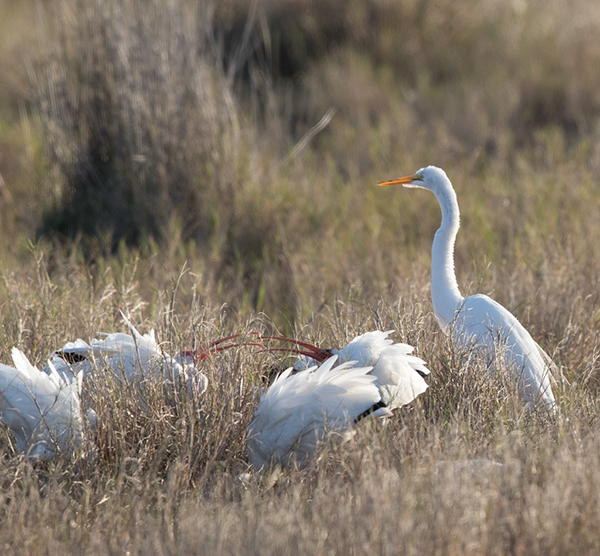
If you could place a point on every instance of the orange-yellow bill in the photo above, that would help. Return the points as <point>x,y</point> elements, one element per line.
<point>398,181</point>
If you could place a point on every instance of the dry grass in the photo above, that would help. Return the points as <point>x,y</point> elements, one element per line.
<point>168,476</point>
<point>150,164</point>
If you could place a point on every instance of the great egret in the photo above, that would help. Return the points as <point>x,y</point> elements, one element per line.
<point>41,408</point>
<point>299,411</point>
<point>478,324</point>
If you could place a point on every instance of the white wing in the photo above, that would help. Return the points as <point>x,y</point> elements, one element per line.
<point>299,410</point>
<point>132,357</point>
<point>41,409</point>
<point>139,358</point>
<point>366,348</point>
<point>399,375</point>
<point>485,327</point>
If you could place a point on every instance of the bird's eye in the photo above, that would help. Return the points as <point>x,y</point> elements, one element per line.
<point>418,177</point>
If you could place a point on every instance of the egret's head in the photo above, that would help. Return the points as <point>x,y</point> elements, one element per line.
<point>431,178</point>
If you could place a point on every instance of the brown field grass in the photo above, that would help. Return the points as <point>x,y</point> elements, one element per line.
<point>152,160</point>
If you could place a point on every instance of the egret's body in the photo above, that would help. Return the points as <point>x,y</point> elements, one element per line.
<point>299,411</point>
<point>132,357</point>
<point>41,409</point>
<point>478,324</point>
<point>398,374</point>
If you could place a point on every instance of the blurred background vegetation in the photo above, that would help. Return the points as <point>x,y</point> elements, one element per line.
<point>162,133</point>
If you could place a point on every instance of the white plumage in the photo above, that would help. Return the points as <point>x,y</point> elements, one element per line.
<point>399,375</point>
<point>299,411</point>
<point>132,357</point>
<point>479,326</point>
<point>41,409</point>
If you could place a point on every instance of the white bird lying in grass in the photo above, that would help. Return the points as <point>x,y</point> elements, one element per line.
<point>299,411</point>
<point>42,409</point>
<point>399,375</point>
<point>131,357</point>
<point>477,323</point>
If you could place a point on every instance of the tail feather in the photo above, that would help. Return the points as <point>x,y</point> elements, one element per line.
<point>300,410</point>
<point>149,339</point>
<point>399,375</point>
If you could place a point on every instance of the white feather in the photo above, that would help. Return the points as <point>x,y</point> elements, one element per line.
<point>131,357</point>
<point>485,329</point>
<point>41,409</point>
<point>397,372</point>
<point>300,410</point>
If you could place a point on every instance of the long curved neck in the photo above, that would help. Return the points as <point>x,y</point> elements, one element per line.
<point>445,294</point>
